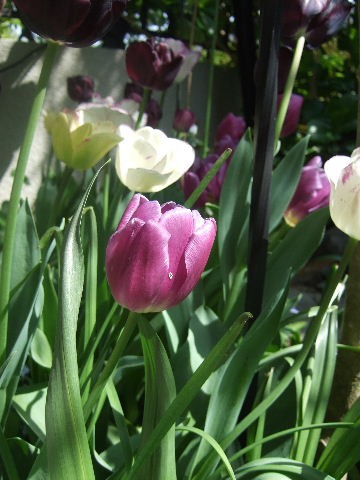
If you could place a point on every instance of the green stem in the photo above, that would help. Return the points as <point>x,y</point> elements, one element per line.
<point>143,105</point>
<point>289,86</point>
<point>7,458</point>
<point>106,193</point>
<point>111,364</point>
<point>211,81</point>
<point>10,229</point>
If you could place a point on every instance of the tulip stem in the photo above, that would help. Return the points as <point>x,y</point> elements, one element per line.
<point>143,105</point>
<point>111,364</point>
<point>289,87</point>
<point>211,80</point>
<point>10,228</point>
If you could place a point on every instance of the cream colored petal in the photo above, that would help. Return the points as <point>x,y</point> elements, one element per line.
<point>345,199</point>
<point>179,159</point>
<point>334,167</point>
<point>143,180</point>
<point>156,137</point>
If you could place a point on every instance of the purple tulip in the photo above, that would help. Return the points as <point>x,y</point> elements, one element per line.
<point>184,120</point>
<point>190,57</point>
<point>154,113</point>
<point>231,125</point>
<point>152,64</point>
<point>317,20</point>
<point>312,193</point>
<point>76,23</point>
<point>157,254</point>
<point>81,88</point>
<point>193,177</point>
<point>293,114</point>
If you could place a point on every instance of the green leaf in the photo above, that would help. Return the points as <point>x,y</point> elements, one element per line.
<point>66,439</point>
<point>26,248</point>
<point>159,393</point>
<point>343,452</point>
<point>30,405</point>
<point>294,250</point>
<point>40,349</point>
<point>285,181</point>
<point>319,372</point>
<point>283,466</point>
<point>234,206</point>
<point>233,380</point>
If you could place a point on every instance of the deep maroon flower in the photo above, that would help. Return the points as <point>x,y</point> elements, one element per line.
<point>157,254</point>
<point>81,88</point>
<point>190,57</point>
<point>152,64</point>
<point>184,119</point>
<point>74,22</point>
<point>193,177</point>
<point>317,20</point>
<point>231,125</point>
<point>312,193</point>
<point>293,114</point>
<point>133,89</point>
<point>154,113</point>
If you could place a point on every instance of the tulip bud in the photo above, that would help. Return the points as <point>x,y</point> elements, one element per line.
<point>76,23</point>
<point>311,194</point>
<point>80,88</point>
<point>231,125</point>
<point>344,175</point>
<point>184,120</point>
<point>152,64</point>
<point>157,254</point>
<point>293,114</point>
<point>148,161</point>
<point>154,113</point>
<point>317,20</point>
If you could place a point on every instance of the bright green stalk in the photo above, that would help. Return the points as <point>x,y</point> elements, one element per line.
<point>143,105</point>
<point>211,81</point>
<point>289,86</point>
<point>10,229</point>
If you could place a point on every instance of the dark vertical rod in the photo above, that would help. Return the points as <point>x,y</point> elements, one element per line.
<point>246,50</point>
<point>264,134</point>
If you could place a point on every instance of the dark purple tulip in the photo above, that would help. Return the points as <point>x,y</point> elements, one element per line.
<point>292,118</point>
<point>152,64</point>
<point>184,119</point>
<point>133,89</point>
<point>76,23</point>
<point>80,88</point>
<point>157,254</point>
<point>193,177</point>
<point>231,125</point>
<point>225,142</point>
<point>317,20</point>
<point>312,193</point>
<point>154,113</point>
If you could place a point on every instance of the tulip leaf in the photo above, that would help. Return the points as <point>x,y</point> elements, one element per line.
<point>30,405</point>
<point>234,206</point>
<point>159,393</point>
<point>233,380</point>
<point>294,250</point>
<point>285,181</point>
<point>67,446</point>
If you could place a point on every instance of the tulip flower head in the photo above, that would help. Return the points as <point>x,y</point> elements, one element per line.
<point>311,194</point>
<point>80,88</point>
<point>76,23</point>
<point>190,57</point>
<point>344,175</point>
<point>157,255</point>
<point>317,20</point>
<point>293,114</point>
<point>82,137</point>
<point>149,161</point>
<point>232,125</point>
<point>184,119</point>
<point>152,64</point>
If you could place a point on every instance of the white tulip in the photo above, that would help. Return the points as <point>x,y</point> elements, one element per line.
<point>148,161</point>
<point>344,175</point>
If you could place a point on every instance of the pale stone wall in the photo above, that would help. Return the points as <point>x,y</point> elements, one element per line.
<point>108,69</point>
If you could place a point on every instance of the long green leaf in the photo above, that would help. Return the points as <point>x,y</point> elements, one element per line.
<point>66,440</point>
<point>159,393</point>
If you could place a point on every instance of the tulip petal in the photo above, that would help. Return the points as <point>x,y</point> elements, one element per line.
<point>130,210</point>
<point>194,260</point>
<point>143,281</point>
<point>344,173</point>
<point>93,149</point>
